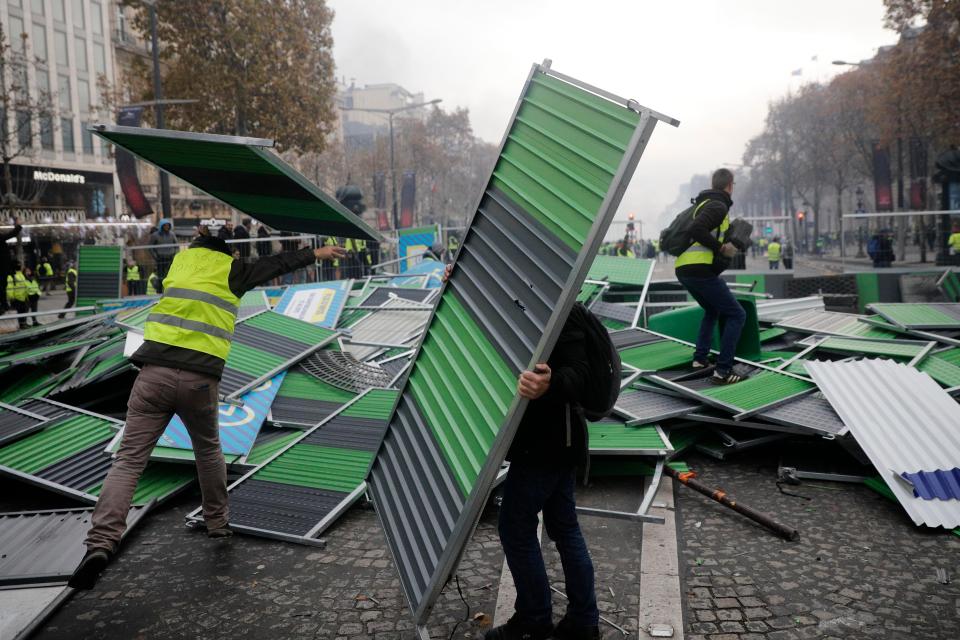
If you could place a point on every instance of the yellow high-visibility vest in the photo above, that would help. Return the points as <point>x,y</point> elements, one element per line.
<point>33,287</point>
<point>17,287</point>
<point>197,310</point>
<point>66,279</point>
<point>697,253</point>
<point>773,252</point>
<point>133,273</point>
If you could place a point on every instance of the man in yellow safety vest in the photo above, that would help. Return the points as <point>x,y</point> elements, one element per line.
<point>133,279</point>
<point>773,253</point>
<point>187,338</point>
<point>698,269</point>
<point>17,292</point>
<point>70,286</point>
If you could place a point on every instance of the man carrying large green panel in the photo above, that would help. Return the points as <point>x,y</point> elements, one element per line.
<point>187,339</point>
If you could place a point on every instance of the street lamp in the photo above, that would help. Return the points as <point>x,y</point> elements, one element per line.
<point>393,172</point>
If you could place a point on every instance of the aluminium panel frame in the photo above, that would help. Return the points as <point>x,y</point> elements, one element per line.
<point>640,515</point>
<point>312,538</point>
<point>926,335</point>
<point>474,502</point>
<point>643,296</point>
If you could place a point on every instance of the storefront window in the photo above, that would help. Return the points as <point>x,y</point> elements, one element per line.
<point>66,129</point>
<point>81,54</point>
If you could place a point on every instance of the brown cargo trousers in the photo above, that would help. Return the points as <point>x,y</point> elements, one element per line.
<point>158,393</point>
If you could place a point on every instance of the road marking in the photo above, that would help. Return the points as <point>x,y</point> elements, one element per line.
<point>660,599</point>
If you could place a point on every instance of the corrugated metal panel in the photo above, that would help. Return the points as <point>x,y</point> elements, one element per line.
<point>562,170</point>
<point>386,328</point>
<point>42,353</point>
<point>45,547</point>
<point>265,344</point>
<point>644,407</point>
<point>380,295</point>
<point>269,441</point>
<point>614,311</point>
<point>258,505</point>
<point>811,411</point>
<point>655,356</point>
<point>15,424</point>
<point>942,484</point>
<point>764,388</point>
<point>903,421</point>
<point>834,323</point>
<point>901,349</point>
<point>159,481</point>
<point>780,310</point>
<point>305,400</point>
<point>920,315</point>
<point>614,437</point>
<point>252,302</point>
<point>632,338</point>
<point>81,471</point>
<point>308,465</point>
<point>942,370</point>
<point>98,273</point>
<point>623,271</point>
<point>59,440</point>
<point>45,408</point>
<point>246,175</point>
<point>376,404</point>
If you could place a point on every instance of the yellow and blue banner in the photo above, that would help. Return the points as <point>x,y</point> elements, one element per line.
<point>319,303</point>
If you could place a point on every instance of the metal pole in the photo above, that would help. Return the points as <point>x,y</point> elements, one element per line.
<point>393,176</point>
<point>158,107</point>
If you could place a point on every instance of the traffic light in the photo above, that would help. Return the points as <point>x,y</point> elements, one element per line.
<point>351,197</point>
<point>800,216</point>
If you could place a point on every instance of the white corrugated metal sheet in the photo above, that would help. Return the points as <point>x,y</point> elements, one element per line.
<point>777,310</point>
<point>903,421</point>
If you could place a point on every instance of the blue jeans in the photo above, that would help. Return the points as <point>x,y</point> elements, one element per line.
<point>526,492</point>
<point>714,296</point>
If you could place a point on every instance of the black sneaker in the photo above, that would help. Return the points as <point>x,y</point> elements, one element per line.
<point>726,378</point>
<point>89,569</point>
<point>517,630</point>
<point>220,532</point>
<point>566,630</point>
<point>698,365</point>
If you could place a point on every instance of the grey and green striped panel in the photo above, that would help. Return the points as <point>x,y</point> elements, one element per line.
<point>304,400</point>
<point>634,272</point>
<point>266,343</point>
<point>246,175</point>
<point>615,437</point>
<point>98,273</point>
<point>917,315</point>
<point>565,160</point>
<point>319,475</point>
<point>762,389</point>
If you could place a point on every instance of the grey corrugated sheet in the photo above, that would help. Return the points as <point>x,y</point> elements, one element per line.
<point>394,328</point>
<point>639,406</point>
<point>86,469</point>
<point>301,412</point>
<point>382,294</point>
<point>632,338</point>
<point>816,321</point>
<point>777,310</point>
<point>44,547</point>
<point>812,411</point>
<point>284,508</point>
<point>903,421</point>
<point>44,408</point>
<point>614,311</point>
<point>16,423</point>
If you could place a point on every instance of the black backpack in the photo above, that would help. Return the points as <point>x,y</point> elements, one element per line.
<point>603,383</point>
<point>676,239</point>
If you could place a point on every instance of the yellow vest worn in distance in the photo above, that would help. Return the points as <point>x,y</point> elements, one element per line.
<point>133,273</point>
<point>773,252</point>
<point>33,287</point>
<point>66,279</point>
<point>197,310</point>
<point>697,253</point>
<point>17,287</point>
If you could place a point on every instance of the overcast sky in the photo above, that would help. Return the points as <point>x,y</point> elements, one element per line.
<point>712,65</point>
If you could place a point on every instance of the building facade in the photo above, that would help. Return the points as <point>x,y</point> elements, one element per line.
<point>359,127</point>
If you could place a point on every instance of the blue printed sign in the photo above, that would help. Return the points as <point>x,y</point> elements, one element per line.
<point>318,303</point>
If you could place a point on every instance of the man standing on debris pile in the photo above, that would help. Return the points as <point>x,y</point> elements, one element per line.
<point>698,269</point>
<point>186,342</point>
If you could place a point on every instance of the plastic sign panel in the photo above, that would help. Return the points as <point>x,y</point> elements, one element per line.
<point>319,304</point>
<point>413,243</point>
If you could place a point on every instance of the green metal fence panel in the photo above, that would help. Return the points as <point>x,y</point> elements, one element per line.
<point>376,404</point>
<point>98,273</point>
<point>623,271</point>
<point>656,356</point>
<point>267,448</point>
<point>158,482</point>
<point>611,436</point>
<point>42,353</point>
<point>920,315</point>
<point>244,174</point>
<point>564,164</point>
<point>762,389</point>
<point>56,442</point>
<point>873,347</point>
<point>942,370</point>
<point>307,465</point>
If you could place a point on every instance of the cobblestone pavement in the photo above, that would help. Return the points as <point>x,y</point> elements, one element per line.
<point>171,583</point>
<point>860,569</point>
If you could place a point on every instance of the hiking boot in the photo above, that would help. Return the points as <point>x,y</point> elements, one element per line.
<point>88,571</point>
<point>220,532</point>
<point>726,378</point>
<point>567,630</point>
<point>517,630</point>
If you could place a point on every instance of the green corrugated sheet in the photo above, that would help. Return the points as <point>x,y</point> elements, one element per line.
<point>54,443</point>
<point>158,481</point>
<point>376,404</point>
<point>613,325</point>
<point>308,465</point>
<point>911,314</point>
<point>36,383</point>
<point>561,156</point>
<point>950,286</point>
<point>307,387</point>
<point>868,289</point>
<point>41,353</point>
<point>616,435</point>
<point>658,355</point>
<point>945,372</point>
<point>253,299</point>
<point>872,347</point>
<point>798,367</point>
<point>624,271</point>
<point>99,259</point>
<point>588,291</point>
<point>350,317</point>
<point>260,453</point>
<point>289,328</point>
<point>251,360</point>
<point>464,412</point>
<point>857,329</point>
<point>950,355</point>
<point>137,317</point>
<point>758,390</point>
<point>233,172</point>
